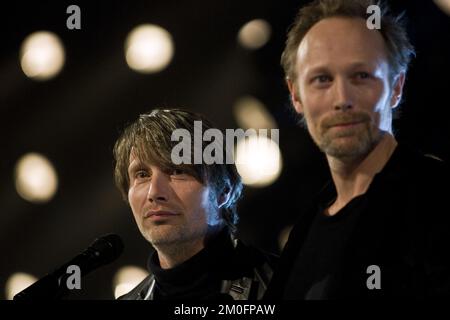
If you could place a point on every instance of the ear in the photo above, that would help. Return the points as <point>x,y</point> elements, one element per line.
<point>224,197</point>
<point>293,90</point>
<point>397,91</point>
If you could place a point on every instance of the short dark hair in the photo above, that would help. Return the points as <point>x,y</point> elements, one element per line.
<point>150,137</point>
<point>399,48</point>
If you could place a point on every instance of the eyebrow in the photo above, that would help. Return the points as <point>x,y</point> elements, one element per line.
<point>357,65</point>
<point>134,166</point>
<point>322,68</point>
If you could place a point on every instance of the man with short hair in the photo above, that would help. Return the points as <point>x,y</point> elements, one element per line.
<point>187,212</point>
<point>379,229</point>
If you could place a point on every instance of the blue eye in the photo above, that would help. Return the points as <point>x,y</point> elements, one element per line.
<point>141,174</point>
<point>322,78</point>
<point>363,75</point>
<point>177,172</point>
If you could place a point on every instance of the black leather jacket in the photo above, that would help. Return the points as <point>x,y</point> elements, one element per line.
<point>245,272</point>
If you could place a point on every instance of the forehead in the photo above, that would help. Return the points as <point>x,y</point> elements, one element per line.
<point>133,158</point>
<point>133,155</point>
<point>338,41</point>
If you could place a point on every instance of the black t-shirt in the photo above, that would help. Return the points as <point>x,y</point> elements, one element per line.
<point>399,225</point>
<point>318,266</point>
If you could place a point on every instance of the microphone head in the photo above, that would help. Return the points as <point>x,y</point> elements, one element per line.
<point>107,248</point>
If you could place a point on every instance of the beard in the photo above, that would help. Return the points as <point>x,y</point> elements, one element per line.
<point>172,233</point>
<point>350,142</point>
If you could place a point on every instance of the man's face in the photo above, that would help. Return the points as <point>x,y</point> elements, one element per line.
<point>169,208</point>
<point>342,86</point>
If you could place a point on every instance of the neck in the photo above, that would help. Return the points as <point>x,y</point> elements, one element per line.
<point>173,254</point>
<point>352,177</point>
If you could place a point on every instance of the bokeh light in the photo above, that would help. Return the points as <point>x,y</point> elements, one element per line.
<point>42,55</point>
<point>35,178</point>
<point>149,48</point>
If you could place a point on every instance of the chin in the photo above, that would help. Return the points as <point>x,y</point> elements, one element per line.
<point>350,148</point>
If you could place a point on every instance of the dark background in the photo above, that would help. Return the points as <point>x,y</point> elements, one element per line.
<point>75,118</point>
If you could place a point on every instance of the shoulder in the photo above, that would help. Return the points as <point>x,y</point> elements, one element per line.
<point>254,256</point>
<point>412,173</point>
<point>427,193</point>
<point>425,165</point>
<point>254,266</point>
<point>258,263</point>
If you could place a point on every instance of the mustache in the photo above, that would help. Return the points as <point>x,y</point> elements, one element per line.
<point>344,117</point>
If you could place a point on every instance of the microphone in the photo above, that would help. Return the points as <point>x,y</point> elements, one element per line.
<point>102,251</point>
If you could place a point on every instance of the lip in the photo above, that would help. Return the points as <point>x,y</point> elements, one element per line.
<point>156,214</point>
<point>346,125</point>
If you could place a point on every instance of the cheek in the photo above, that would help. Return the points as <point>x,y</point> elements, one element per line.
<point>378,98</point>
<point>200,198</point>
<point>314,104</point>
<point>194,198</point>
<point>135,199</point>
<point>131,197</point>
<point>313,112</point>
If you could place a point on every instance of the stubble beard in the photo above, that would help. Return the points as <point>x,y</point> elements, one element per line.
<point>170,235</point>
<point>349,143</point>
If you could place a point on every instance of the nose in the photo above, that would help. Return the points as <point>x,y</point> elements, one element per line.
<point>343,96</point>
<point>158,189</point>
